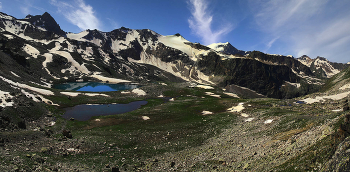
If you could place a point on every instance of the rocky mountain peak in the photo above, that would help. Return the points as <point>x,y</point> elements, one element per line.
<point>304,57</point>
<point>321,58</point>
<point>305,60</point>
<point>47,22</point>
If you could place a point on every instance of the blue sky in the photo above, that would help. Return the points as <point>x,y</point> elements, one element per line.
<point>288,27</point>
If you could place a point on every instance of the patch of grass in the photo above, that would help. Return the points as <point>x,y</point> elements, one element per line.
<point>293,121</point>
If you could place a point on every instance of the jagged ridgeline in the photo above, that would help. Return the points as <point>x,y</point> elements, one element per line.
<point>38,47</point>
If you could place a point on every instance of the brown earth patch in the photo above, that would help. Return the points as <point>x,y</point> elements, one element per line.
<point>103,122</point>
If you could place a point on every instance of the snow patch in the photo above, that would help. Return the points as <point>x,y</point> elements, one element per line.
<point>78,36</point>
<point>206,112</point>
<point>70,94</point>
<point>346,86</point>
<point>323,98</point>
<point>31,50</point>
<point>74,94</point>
<point>244,115</point>
<point>8,36</point>
<point>24,86</point>
<point>105,79</point>
<point>15,74</point>
<point>95,94</point>
<point>207,87</point>
<point>268,121</point>
<point>5,96</point>
<point>297,85</point>
<point>145,118</point>
<point>212,94</point>
<point>231,94</point>
<point>38,98</point>
<point>237,108</point>
<point>139,92</point>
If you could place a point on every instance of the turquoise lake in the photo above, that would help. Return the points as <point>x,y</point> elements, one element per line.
<point>94,86</point>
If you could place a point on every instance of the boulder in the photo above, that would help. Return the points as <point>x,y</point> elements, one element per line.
<point>67,134</point>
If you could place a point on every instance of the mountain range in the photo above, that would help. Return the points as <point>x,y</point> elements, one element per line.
<point>42,52</point>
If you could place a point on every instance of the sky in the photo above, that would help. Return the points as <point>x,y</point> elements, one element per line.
<point>287,27</point>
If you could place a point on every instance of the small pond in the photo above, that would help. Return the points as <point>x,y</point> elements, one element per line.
<point>85,112</point>
<point>94,86</point>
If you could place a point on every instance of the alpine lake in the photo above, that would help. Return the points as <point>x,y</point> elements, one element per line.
<point>85,111</point>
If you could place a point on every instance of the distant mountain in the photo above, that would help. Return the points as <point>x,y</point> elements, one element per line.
<point>339,82</point>
<point>322,67</point>
<point>36,46</point>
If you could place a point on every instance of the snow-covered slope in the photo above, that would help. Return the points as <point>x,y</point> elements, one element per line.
<point>227,48</point>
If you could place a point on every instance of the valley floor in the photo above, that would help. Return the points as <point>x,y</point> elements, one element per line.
<point>183,128</point>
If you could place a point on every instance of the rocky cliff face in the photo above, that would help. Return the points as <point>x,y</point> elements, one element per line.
<point>47,22</point>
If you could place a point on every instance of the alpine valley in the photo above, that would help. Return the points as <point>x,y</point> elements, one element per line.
<point>209,108</point>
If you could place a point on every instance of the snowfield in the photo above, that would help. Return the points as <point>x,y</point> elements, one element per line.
<point>24,86</point>
<point>323,98</point>
<point>346,86</point>
<point>31,50</point>
<point>105,79</point>
<point>74,94</point>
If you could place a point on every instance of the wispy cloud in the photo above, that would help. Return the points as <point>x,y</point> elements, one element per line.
<point>201,23</point>
<point>78,13</point>
<point>0,6</point>
<point>315,28</point>
<point>25,10</point>
<point>269,44</point>
<point>29,7</point>
<point>113,23</point>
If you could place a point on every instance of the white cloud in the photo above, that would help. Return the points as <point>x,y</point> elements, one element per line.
<point>201,23</point>
<point>78,13</point>
<point>314,28</point>
<point>0,6</point>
